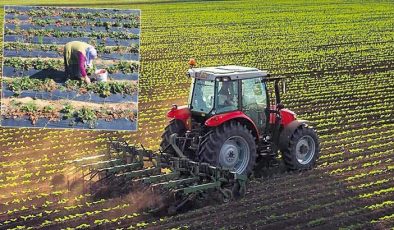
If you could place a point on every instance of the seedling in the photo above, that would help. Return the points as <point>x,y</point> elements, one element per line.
<point>48,109</point>
<point>68,111</point>
<point>29,107</point>
<point>87,116</point>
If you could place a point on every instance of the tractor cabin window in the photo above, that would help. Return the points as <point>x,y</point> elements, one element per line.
<point>254,100</point>
<point>202,97</point>
<point>227,96</point>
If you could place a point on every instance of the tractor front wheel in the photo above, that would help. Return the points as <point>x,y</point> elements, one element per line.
<point>230,146</point>
<point>175,126</point>
<point>302,150</point>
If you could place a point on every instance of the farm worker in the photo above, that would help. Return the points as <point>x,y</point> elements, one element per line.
<point>78,56</point>
<point>226,94</point>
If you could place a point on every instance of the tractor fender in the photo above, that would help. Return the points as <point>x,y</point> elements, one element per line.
<point>287,131</point>
<point>181,113</point>
<point>239,116</point>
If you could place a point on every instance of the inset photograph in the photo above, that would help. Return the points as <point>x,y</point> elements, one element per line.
<point>70,68</point>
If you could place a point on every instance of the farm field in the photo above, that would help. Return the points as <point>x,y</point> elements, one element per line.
<point>339,59</point>
<point>35,90</point>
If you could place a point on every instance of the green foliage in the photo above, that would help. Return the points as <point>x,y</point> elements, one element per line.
<point>46,64</point>
<point>73,34</point>
<point>87,115</point>
<point>68,111</point>
<point>48,109</point>
<point>39,13</point>
<point>101,48</point>
<point>17,85</point>
<point>105,89</point>
<point>90,70</point>
<point>14,103</point>
<point>133,23</point>
<point>40,39</point>
<point>316,222</point>
<point>36,63</point>
<point>29,107</point>
<point>124,67</point>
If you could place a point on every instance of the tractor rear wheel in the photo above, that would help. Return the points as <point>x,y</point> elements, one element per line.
<point>230,146</point>
<point>302,150</point>
<point>175,126</point>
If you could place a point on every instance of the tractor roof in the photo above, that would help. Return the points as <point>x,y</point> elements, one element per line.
<point>231,71</point>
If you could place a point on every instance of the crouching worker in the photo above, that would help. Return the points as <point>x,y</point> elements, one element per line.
<point>78,56</point>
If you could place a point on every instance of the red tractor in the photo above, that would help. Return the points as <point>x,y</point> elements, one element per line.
<point>230,122</point>
<point>211,146</point>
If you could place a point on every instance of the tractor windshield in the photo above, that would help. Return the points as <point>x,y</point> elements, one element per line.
<point>202,97</point>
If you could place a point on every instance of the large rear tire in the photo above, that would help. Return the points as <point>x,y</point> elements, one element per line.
<point>175,126</point>
<point>230,146</point>
<point>302,150</point>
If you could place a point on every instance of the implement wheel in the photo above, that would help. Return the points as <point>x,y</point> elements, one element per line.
<point>302,150</point>
<point>175,126</point>
<point>230,146</point>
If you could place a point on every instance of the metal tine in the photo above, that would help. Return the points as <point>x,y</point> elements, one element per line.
<point>197,188</point>
<point>157,178</point>
<point>176,183</point>
<point>140,173</point>
<point>87,159</point>
<point>120,168</point>
<point>103,164</point>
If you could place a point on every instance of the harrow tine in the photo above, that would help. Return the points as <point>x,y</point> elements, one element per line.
<point>88,159</point>
<point>176,183</point>
<point>139,173</point>
<point>158,178</point>
<point>119,168</point>
<point>103,164</point>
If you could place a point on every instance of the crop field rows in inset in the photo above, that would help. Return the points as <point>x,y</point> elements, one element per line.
<point>35,91</point>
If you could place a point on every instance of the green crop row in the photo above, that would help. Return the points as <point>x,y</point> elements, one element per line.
<point>58,12</point>
<point>104,89</point>
<point>67,22</point>
<point>84,114</point>
<point>134,48</point>
<point>45,64</point>
<point>58,33</point>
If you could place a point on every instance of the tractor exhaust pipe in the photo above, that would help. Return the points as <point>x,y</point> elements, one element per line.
<point>277,92</point>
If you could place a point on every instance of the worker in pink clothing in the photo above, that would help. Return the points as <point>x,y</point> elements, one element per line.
<point>78,56</point>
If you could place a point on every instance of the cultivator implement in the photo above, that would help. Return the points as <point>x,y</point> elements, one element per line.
<point>125,168</point>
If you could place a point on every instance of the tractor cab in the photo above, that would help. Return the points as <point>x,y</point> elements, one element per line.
<point>226,89</point>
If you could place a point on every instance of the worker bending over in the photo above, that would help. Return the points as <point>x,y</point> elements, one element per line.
<point>78,56</point>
